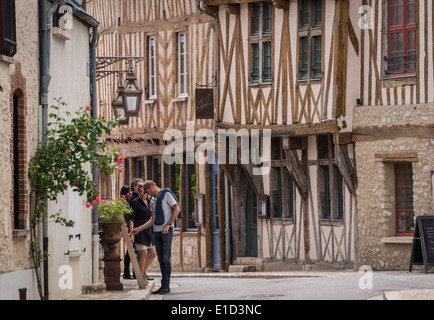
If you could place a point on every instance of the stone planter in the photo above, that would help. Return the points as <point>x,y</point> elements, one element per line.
<point>111,236</point>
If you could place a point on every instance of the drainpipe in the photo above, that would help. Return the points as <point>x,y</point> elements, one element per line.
<point>45,19</point>
<point>95,235</point>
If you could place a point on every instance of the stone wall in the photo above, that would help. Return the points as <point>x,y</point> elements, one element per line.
<point>18,75</point>
<point>378,245</point>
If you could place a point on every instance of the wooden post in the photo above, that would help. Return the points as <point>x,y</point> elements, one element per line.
<point>133,258</point>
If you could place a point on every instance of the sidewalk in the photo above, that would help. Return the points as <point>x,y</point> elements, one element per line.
<point>132,292</point>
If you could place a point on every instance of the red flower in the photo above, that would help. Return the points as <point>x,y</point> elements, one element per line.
<point>88,108</point>
<point>120,169</point>
<point>87,205</point>
<point>98,198</point>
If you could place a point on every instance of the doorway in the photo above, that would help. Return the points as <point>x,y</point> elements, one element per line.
<point>251,223</point>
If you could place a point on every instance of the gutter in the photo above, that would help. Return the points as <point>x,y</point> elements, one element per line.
<point>45,18</point>
<point>45,27</point>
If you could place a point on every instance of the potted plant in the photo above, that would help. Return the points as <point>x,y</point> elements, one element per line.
<point>111,217</point>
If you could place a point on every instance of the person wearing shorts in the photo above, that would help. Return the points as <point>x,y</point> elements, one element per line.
<point>142,219</point>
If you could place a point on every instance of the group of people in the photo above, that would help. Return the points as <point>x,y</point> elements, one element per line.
<point>151,228</point>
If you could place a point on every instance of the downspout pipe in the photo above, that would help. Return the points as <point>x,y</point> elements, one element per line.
<point>45,25</point>
<point>95,235</point>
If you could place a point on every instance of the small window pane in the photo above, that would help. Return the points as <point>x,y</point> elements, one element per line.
<point>304,14</point>
<point>267,18</point>
<point>254,76</point>
<point>318,13</point>
<point>316,65</point>
<point>267,61</point>
<point>304,58</point>
<point>411,13</point>
<point>256,17</point>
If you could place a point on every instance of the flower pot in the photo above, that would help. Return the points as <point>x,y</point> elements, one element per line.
<point>111,236</point>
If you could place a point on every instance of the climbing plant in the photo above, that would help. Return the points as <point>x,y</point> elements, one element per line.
<point>62,161</point>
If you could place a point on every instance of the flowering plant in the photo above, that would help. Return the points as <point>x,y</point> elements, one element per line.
<point>113,211</point>
<point>63,161</point>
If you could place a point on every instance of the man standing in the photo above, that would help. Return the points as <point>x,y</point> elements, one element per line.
<point>167,210</point>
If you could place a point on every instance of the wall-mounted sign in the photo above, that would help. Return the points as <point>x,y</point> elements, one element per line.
<point>204,104</point>
<point>263,206</point>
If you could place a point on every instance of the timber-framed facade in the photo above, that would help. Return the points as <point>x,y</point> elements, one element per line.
<point>175,40</point>
<point>349,102</point>
<point>301,95</point>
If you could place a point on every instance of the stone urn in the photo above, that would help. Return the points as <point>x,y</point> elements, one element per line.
<point>111,236</point>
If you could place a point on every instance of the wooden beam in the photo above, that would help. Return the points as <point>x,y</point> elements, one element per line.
<point>228,169</point>
<point>397,157</point>
<point>295,168</point>
<point>133,257</point>
<point>281,4</point>
<point>232,8</point>
<point>256,181</point>
<point>294,143</point>
<point>345,166</point>
<point>343,138</point>
<point>293,130</point>
<point>394,132</point>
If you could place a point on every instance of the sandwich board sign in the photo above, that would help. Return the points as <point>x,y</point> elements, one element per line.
<point>423,243</point>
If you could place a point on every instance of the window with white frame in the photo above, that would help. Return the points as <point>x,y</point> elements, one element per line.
<point>260,42</point>
<point>182,65</point>
<point>152,68</point>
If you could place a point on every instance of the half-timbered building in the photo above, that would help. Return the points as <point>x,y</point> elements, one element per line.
<point>176,44</point>
<point>284,66</point>
<point>346,89</point>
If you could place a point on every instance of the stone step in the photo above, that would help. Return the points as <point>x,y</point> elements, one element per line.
<point>245,261</point>
<point>242,268</point>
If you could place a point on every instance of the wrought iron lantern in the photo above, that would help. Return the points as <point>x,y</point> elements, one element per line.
<point>132,95</point>
<point>119,106</point>
<point>128,99</point>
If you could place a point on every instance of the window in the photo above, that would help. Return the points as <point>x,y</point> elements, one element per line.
<point>330,183</point>
<point>18,223</point>
<point>260,43</point>
<point>310,40</point>
<point>404,207</point>
<point>152,69</point>
<point>8,36</point>
<point>401,38</point>
<point>156,170</point>
<point>182,65</point>
<point>281,184</point>
<point>191,190</point>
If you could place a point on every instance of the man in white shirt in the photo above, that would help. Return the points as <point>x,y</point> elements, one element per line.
<point>167,209</point>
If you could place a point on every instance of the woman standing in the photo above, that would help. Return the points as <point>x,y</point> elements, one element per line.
<point>142,219</point>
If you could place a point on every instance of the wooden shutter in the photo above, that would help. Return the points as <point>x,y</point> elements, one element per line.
<point>8,37</point>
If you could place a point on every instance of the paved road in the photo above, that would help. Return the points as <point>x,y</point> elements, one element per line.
<point>326,286</point>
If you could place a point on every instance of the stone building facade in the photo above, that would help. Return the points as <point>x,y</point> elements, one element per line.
<point>19,81</point>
